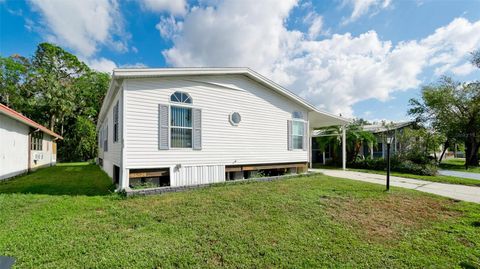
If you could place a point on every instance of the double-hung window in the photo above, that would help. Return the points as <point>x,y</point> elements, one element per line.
<point>181,126</point>
<point>36,140</point>
<point>297,128</point>
<point>297,134</point>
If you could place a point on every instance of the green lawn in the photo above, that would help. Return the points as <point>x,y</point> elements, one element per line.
<point>301,222</point>
<point>458,164</point>
<point>66,178</point>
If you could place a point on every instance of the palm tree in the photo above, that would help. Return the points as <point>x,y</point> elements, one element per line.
<point>356,136</point>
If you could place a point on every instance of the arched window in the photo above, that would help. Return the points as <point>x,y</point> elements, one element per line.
<point>181,124</point>
<point>297,115</point>
<point>181,97</point>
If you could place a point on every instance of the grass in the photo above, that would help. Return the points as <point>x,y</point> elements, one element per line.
<point>63,179</point>
<point>458,164</point>
<point>301,222</point>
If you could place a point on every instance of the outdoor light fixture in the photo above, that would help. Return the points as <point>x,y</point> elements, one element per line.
<point>389,142</point>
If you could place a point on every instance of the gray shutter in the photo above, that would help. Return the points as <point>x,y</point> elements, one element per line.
<point>305,136</point>
<point>289,134</point>
<point>197,128</point>
<point>163,118</point>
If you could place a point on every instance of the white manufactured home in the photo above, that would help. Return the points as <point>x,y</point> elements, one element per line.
<point>24,144</point>
<point>190,126</point>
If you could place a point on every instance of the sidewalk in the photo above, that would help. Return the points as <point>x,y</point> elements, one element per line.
<point>458,192</point>
<point>460,174</point>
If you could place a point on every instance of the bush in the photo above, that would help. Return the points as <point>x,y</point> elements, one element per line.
<point>398,165</point>
<point>415,168</point>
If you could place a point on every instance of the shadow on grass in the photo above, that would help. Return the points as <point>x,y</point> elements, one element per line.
<point>63,179</point>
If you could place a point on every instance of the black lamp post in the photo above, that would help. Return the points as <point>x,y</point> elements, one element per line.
<point>389,142</point>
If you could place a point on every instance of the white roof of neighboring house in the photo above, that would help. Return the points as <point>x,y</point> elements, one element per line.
<point>374,128</point>
<point>21,118</point>
<point>383,127</point>
<point>317,118</point>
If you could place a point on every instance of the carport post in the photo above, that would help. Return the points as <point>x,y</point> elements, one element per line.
<point>344,148</point>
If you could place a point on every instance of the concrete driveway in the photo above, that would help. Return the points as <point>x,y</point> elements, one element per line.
<point>459,174</point>
<point>454,191</point>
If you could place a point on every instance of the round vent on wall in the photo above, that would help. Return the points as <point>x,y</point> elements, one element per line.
<point>235,118</point>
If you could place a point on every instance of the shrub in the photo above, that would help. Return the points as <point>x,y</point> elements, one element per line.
<point>398,165</point>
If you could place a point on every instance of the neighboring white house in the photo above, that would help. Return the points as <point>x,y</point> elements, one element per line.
<point>189,126</point>
<point>24,144</point>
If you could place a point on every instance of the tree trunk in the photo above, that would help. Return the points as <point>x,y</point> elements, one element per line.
<point>471,150</point>
<point>52,122</point>
<point>445,146</point>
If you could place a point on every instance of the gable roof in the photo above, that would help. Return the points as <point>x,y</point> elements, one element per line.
<point>21,118</point>
<point>320,117</point>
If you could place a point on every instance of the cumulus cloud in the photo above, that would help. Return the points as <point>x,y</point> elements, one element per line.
<point>222,35</point>
<point>175,7</point>
<point>82,26</point>
<point>169,27</point>
<point>333,73</point>
<point>101,64</point>
<point>363,7</point>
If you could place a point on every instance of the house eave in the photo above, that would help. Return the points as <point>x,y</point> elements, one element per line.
<point>129,73</point>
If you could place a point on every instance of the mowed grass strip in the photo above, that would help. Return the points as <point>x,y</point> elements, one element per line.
<point>301,222</point>
<point>63,179</point>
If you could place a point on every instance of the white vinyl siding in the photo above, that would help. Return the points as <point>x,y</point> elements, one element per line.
<point>110,151</point>
<point>261,137</point>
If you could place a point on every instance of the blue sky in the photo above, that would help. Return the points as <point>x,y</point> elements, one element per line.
<point>358,58</point>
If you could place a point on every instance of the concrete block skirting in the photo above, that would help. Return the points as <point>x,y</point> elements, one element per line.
<point>160,190</point>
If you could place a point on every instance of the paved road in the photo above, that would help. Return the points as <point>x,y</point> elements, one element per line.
<point>454,191</point>
<point>460,174</point>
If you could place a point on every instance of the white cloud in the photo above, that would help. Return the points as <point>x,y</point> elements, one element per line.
<point>169,27</point>
<point>315,23</point>
<point>135,65</point>
<point>333,73</point>
<point>101,64</point>
<point>175,7</point>
<point>219,36</point>
<point>463,69</point>
<point>363,7</point>
<point>84,25</point>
